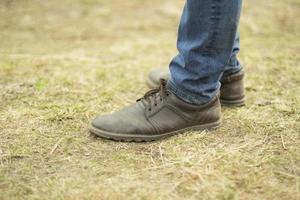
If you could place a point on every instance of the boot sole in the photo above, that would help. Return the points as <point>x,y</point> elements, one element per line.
<point>148,138</point>
<point>229,103</point>
<point>233,103</point>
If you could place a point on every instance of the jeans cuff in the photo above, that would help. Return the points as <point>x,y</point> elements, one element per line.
<point>186,96</point>
<point>229,70</point>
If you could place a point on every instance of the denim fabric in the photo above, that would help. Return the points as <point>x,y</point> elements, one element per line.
<point>207,43</point>
<point>233,64</point>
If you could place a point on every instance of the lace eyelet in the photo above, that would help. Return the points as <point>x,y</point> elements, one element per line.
<point>149,109</point>
<point>155,104</point>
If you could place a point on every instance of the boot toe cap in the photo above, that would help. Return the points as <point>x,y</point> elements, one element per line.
<point>114,124</point>
<point>105,123</point>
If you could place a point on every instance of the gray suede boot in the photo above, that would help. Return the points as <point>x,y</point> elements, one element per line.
<point>159,114</point>
<point>232,92</point>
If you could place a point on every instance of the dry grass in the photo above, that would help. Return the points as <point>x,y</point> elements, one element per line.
<point>63,62</point>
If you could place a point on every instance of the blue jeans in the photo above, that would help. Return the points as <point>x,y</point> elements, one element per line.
<point>208,42</point>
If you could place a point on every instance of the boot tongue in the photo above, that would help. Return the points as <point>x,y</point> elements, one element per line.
<point>140,104</point>
<point>153,96</point>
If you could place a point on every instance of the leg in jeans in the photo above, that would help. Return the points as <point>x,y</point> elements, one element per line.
<point>206,44</point>
<point>206,41</point>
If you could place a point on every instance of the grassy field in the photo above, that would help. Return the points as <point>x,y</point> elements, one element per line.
<point>64,62</point>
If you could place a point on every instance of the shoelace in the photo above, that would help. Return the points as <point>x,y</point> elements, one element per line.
<point>150,98</point>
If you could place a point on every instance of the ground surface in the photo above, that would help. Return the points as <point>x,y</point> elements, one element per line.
<point>63,62</point>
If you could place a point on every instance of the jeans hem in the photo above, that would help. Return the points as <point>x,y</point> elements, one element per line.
<point>185,96</point>
<point>232,70</point>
